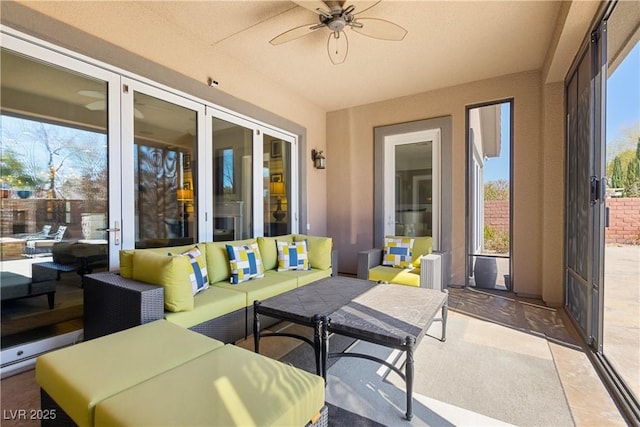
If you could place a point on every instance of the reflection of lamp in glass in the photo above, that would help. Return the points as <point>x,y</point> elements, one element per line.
<point>277,188</point>
<point>184,195</point>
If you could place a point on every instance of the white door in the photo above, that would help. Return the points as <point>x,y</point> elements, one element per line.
<point>412,184</point>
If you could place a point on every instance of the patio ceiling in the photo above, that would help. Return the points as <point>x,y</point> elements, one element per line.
<point>448,43</point>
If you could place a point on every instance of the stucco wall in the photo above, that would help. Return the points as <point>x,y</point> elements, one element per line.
<point>350,174</point>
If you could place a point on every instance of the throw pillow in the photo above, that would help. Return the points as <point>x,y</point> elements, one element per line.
<point>198,273</point>
<point>397,252</point>
<point>319,249</point>
<point>170,272</point>
<point>292,256</point>
<point>245,263</point>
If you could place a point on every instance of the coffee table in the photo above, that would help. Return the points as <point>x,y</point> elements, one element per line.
<point>394,316</point>
<point>308,306</point>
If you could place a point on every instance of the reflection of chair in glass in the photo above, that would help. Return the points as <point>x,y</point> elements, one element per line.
<point>44,234</point>
<point>41,247</point>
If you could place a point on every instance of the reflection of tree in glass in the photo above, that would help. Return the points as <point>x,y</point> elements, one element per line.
<point>59,159</point>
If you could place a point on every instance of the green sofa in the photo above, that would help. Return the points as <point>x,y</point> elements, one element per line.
<point>150,287</point>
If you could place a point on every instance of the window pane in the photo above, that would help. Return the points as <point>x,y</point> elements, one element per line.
<point>277,186</point>
<point>232,181</point>
<point>54,195</point>
<point>165,172</point>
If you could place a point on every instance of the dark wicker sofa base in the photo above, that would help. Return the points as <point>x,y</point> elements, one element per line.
<point>113,303</point>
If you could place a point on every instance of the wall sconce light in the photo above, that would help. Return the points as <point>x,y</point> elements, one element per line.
<point>318,159</point>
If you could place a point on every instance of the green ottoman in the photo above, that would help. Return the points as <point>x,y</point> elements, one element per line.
<point>229,386</point>
<point>77,378</point>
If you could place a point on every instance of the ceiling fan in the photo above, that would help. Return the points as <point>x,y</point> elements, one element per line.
<point>337,15</point>
<point>101,103</point>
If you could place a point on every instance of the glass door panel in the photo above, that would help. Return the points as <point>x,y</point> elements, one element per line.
<point>413,189</point>
<point>277,186</point>
<point>232,181</point>
<point>621,289</point>
<point>165,172</point>
<point>489,203</point>
<point>55,195</point>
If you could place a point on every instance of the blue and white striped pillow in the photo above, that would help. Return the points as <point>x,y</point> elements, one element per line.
<point>398,252</point>
<point>293,256</point>
<point>245,263</point>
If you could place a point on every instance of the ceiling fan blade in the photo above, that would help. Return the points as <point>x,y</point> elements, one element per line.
<point>97,105</point>
<point>92,94</point>
<point>293,34</point>
<point>314,6</point>
<point>379,29</point>
<point>361,5</point>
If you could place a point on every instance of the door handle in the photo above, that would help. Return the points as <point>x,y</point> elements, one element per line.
<point>116,230</point>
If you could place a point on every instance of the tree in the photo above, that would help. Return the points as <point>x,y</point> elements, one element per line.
<point>632,184</point>
<point>496,190</point>
<point>617,179</point>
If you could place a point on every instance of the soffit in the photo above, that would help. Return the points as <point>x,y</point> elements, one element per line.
<point>448,43</point>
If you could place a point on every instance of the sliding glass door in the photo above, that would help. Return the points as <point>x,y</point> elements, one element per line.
<point>233,149</point>
<point>603,188</point>
<point>161,137</point>
<point>95,160</point>
<point>60,145</point>
<point>620,341</point>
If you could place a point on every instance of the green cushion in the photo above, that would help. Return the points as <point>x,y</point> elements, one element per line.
<point>304,277</point>
<point>126,257</point>
<point>272,284</point>
<point>319,249</point>
<point>80,376</point>
<point>218,260</point>
<point>209,304</point>
<point>421,246</point>
<point>400,276</point>
<point>170,272</point>
<point>126,263</point>
<point>229,386</point>
<point>268,251</point>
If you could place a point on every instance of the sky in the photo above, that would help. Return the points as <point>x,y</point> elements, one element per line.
<point>623,95</point>
<point>623,111</point>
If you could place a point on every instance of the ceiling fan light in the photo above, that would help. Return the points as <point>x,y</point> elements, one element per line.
<point>337,47</point>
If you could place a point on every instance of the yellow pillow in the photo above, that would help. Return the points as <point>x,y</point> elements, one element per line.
<point>269,250</point>
<point>319,250</point>
<point>170,272</point>
<point>126,263</point>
